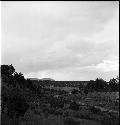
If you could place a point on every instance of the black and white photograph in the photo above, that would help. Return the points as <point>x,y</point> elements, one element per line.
<point>59,62</point>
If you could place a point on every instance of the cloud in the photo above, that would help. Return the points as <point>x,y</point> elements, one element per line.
<point>107,66</point>
<point>61,39</point>
<point>79,73</point>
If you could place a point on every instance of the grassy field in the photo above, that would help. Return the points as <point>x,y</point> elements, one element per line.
<point>68,89</point>
<point>34,119</point>
<point>37,116</point>
<point>111,95</point>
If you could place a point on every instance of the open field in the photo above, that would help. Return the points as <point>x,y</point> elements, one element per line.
<point>111,95</point>
<point>55,116</point>
<point>68,89</point>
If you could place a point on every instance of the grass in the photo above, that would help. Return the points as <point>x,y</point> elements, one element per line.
<point>37,116</point>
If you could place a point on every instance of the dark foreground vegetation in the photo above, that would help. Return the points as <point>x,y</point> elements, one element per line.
<point>26,102</point>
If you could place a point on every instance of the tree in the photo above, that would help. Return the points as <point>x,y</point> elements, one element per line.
<point>7,70</point>
<point>14,100</point>
<point>19,77</point>
<point>100,84</point>
<point>29,84</point>
<point>12,97</point>
<point>113,85</point>
<point>17,103</point>
<point>90,87</point>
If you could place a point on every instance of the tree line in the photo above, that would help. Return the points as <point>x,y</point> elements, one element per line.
<point>16,91</point>
<point>100,85</point>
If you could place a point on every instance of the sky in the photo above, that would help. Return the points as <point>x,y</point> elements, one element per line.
<point>61,40</point>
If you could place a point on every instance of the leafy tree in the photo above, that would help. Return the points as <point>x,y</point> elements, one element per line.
<point>12,97</point>
<point>90,86</point>
<point>113,85</point>
<point>14,100</point>
<point>29,84</point>
<point>100,84</point>
<point>19,76</point>
<point>7,70</point>
<point>17,103</point>
<point>20,79</point>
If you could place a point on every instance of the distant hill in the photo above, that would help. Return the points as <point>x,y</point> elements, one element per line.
<point>47,79</point>
<point>43,79</point>
<point>34,79</point>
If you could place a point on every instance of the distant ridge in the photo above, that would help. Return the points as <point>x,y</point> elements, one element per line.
<point>48,79</point>
<point>43,79</point>
<point>33,78</point>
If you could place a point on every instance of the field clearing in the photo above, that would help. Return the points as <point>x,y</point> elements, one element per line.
<point>111,95</point>
<point>68,89</point>
<point>41,120</point>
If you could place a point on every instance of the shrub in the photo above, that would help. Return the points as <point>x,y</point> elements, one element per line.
<point>74,106</point>
<point>94,110</point>
<point>58,112</point>
<point>51,110</point>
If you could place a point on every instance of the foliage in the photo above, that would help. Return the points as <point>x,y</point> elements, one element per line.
<point>113,85</point>
<point>57,102</point>
<point>17,103</point>
<point>90,86</point>
<point>13,98</point>
<point>74,91</point>
<point>7,70</point>
<point>19,77</point>
<point>100,85</point>
<point>74,106</point>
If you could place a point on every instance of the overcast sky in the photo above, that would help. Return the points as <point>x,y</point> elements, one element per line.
<point>61,40</point>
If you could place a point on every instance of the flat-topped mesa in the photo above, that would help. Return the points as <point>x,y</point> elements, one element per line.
<point>46,79</point>
<point>43,79</point>
<point>33,79</point>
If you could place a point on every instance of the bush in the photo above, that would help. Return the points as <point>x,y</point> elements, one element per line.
<point>51,110</point>
<point>16,103</point>
<point>58,112</point>
<point>74,106</point>
<point>95,110</point>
